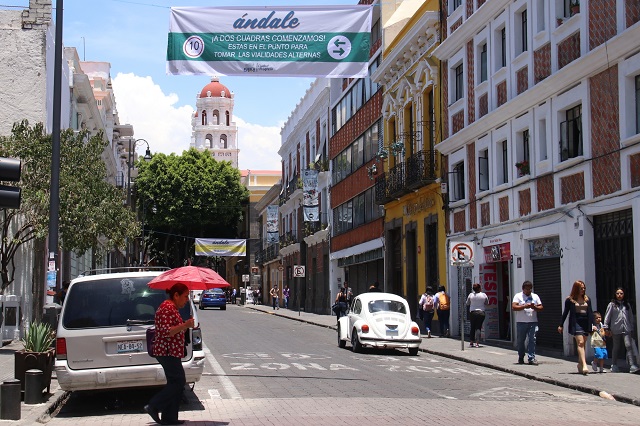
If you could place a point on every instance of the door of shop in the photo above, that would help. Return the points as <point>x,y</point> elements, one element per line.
<point>613,247</point>
<point>546,284</point>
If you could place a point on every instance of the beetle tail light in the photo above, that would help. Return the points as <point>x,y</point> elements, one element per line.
<point>365,328</point>
<point>61,348</point>
<point>415,330</point>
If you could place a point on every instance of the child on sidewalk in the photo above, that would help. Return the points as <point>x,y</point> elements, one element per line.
<point>598,344</point>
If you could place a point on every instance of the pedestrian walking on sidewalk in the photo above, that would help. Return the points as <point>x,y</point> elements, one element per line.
<point>578,307</point>
<point>476,301</point>
<point>274,297</point>
<point>598,343</point>
<point>443,309</point>
<point>427,309</point>
<point>526,306</point>
<point>620,323</point>
<point>285,295</point>
<point>168,349</point>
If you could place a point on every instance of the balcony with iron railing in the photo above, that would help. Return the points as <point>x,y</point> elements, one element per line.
<point>311,228</point>
<point>421,169</point>
<point>292,185</point>
<point>289,238</point>
<point>266,255</point>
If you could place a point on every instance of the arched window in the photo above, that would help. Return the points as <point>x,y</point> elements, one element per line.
<point>208,141</point>
<point>216,117</point>
<point>227,115</point>
<point>204,117</point>
<point>223,141</point>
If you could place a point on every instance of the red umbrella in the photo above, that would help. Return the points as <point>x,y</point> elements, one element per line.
<point>194,277</point>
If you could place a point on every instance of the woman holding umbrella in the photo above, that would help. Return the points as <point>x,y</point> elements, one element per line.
<point>169,349</point>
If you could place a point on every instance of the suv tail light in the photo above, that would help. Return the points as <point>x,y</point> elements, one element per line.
<point>61,348</point>
<point>196,336</point>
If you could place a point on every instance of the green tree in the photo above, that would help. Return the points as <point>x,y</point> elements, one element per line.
<point>181,198</point>
<point>90,207</point>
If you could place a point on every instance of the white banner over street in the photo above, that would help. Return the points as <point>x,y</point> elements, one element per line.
<point>279,41</point>
<point>220,247</point>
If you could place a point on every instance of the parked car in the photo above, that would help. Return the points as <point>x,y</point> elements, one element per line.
<point>195,296</point>
<point>214,298</point>
<point>101,337</point>
<point>379,320</point>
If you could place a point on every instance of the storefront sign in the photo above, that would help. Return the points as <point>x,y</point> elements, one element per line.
<point>489,283</point>
<point>422,204</point>
<point>544,248</point>
<point>497,253</point>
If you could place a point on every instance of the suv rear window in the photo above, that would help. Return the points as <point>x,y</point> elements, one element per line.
<point>113,302</point>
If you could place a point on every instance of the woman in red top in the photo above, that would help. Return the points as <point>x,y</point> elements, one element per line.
<point>169,349</point>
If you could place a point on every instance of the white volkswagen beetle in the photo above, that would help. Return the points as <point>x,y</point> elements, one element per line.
<point>379,320</point>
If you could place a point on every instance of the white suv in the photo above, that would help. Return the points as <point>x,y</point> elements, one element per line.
<point>101,337</point>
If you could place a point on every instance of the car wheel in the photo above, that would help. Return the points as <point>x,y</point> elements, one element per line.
<point>341,343</point>
<point>200,307</point>
<point>223,308</point>
<point>413,351</point>
<point>356,346</point>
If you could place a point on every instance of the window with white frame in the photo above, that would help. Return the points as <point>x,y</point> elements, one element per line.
<point>521,23</point>
<point>571,134</point>
<point>502,162</point>
<point>459,82</point>
<point>483,170</point>
<point>637,104</point>
<point>502,57</point>
<point>541,14</point>
<point>483,62</point>
<point>542,140</point>
<point>523,161</point>
<point>457,182</point>
<point>454,5</point>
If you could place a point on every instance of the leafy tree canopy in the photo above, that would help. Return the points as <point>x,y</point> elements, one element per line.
<point>90,207</point>
<point>181,198</point>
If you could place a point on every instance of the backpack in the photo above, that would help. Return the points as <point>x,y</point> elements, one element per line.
<point>443,301</point>
<point>428,303</point>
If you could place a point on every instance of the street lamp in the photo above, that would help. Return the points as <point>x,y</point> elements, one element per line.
<point>147,157</point>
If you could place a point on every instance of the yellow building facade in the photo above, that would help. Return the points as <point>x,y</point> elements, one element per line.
<point>408,173</point>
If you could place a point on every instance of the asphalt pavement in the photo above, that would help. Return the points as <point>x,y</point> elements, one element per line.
<point>558,371</point>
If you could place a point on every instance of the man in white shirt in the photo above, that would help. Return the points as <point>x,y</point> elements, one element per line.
<point>526,306</point>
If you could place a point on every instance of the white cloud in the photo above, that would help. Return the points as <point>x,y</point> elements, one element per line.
<point>156,118</point>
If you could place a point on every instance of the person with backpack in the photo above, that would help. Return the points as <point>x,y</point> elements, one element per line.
<point>443,307</point>
<point>427,305</point>
<point>476,301</point>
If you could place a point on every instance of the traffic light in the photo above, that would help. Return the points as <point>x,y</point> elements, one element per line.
<point>10,171</point>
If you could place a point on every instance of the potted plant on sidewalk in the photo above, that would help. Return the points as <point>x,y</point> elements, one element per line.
<point>38,353</point>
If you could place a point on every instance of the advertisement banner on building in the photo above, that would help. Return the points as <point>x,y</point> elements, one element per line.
<point>280,41</point>
<point>272,224</point>
<point>220,247</point>
<point>310,199</point>
<point>489,283</point>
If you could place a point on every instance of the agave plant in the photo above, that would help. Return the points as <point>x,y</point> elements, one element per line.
<point>38,338</point>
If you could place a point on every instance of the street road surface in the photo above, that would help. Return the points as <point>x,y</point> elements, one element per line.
<point>267,370</point>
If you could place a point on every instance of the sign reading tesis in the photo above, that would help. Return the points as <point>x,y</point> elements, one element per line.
<point>283,41</point>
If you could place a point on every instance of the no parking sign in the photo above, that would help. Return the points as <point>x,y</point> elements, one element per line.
<point>298,271</point>
<point>462,254</point>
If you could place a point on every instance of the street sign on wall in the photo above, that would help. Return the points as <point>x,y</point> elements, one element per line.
<point>462,254</point>
<point>298,271</point>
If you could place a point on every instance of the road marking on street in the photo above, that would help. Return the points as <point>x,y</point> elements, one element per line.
<point>214,394</point>
<point>227,384</point>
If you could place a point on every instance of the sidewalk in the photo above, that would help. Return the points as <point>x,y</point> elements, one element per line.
<point>563,372</point>
<point>29,413</point>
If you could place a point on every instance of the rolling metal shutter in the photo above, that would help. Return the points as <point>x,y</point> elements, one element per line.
<point>546,284</point>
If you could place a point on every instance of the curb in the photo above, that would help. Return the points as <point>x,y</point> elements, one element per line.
<point>58,399</point>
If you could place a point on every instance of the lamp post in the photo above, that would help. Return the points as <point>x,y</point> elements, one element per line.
<point>147,157</point>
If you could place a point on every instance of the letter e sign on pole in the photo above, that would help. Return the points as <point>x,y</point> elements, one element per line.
<point>298,271</point>
<point>462,254</point>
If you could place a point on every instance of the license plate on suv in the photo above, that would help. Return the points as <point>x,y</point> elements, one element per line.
<point>129,346</point>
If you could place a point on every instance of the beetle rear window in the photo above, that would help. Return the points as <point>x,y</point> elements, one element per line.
<point>112,302</point>
<point>386,306</point>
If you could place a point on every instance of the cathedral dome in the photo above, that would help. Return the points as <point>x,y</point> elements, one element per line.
<point>216,88</point>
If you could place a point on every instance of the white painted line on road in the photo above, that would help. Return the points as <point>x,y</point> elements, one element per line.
<point>226,382</point>
<point>214,394</point>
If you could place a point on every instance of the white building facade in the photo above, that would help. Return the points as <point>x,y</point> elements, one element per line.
<point>540,132</point>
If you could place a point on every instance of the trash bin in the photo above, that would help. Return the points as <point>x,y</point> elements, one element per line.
<point>51,315</point>
<point>10,393</point>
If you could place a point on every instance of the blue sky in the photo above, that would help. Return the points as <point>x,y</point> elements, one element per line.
<point>132,36</point>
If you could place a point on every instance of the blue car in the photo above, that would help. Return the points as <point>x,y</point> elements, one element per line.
<point>214,298</point>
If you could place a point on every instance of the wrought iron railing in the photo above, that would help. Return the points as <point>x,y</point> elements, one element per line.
<point>421,169</point>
